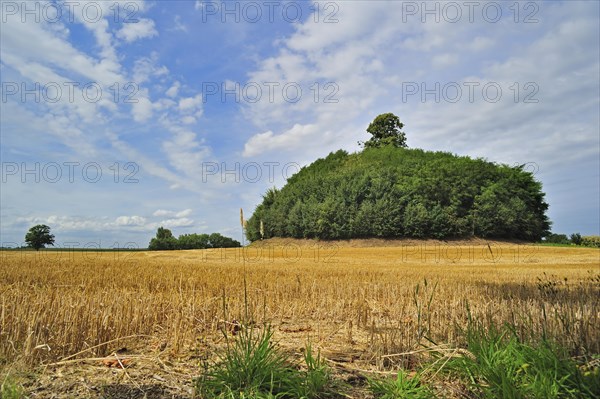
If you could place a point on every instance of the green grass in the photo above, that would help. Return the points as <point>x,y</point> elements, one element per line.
<point>555,244</point>
<point>318,381</point>
<point>402,387</point>
<point>566,245</point>
<point>9,389</point>
<point>503,367</point>
<point>253,367</point>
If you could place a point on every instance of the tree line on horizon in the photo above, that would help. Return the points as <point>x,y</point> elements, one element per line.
<point>39,236</point>
<point>164,241</point>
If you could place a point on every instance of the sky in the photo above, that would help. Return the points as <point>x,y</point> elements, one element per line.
<point>118,117</point>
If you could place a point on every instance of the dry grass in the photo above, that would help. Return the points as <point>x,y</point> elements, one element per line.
<point>357,304</point>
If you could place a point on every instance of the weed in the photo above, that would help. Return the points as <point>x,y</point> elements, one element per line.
<point>403,387</point>
<point>250,367</point>
<point>318,382</point>
<point>253,367</point>
<point>9,389</point>
<point>504,367</point>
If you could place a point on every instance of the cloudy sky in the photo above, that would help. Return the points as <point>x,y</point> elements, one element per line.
<point>119,117</point>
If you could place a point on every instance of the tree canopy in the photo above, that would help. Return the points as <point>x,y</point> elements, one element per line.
<point>386,131</point>
<point>39,236</point>
<point>165,240</point>
<point>396,192</point>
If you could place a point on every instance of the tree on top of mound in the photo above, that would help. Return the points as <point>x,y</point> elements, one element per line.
<point>386,131</point>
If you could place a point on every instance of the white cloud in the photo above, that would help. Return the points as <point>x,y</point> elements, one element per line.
<point>185,152</point>
<point>142,109</point>
<point>190,104</point>
<point>62,223</point>
<point>183,222</point>
<point>444,60</point>
<point>180,214</point>
<point>184,213</point>
<point>158,169</point>
<point>142,29</point>
<point>163,212</point>
<point>188,120</point>
<point>173,90</point>
<point>65,223</point>
<point>164,104</point>
<point>178,26</point>
<point>130,221</point>
<point>481,43</point>
<point>146,68</point>
<point>290,140</point>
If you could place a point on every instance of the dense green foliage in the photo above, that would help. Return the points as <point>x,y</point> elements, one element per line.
<point>553,238</point>
<point>397,192</point>
<point>573,239</point>
<point>253,367</point>
<point>39,236</point>
<point>165,240</point>
<point>590,241</point>
<point>500,365</point>
<point>576,239</point>
<point>385,131</point>
<point>9,389</point>
<point>402,387</point>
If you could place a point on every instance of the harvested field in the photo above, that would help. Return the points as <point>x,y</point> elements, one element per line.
<point>63,314</point>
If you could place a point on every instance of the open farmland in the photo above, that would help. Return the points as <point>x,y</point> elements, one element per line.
<point>357,302</point>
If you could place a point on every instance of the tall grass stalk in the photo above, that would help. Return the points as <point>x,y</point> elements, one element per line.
<point>242,224</point>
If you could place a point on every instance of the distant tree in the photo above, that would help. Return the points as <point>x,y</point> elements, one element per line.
<point>39,236</point>
<point>216,240</point>
<point>591,241</point>
<point>576,238</point>
<point>557,238</point>
<point>163,233</point>
<point>164,240</point>
<point>386,130</point>
<point>193,241</point>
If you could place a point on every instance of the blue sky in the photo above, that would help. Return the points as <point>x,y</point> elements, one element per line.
<point>121,116</point>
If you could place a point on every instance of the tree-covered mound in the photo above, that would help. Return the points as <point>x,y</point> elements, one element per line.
<point>394,192</point>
